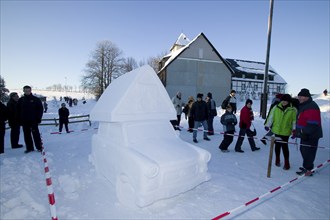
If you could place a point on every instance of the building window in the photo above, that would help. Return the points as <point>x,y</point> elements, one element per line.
<point>200,53</point>
<point>243,86</point>
<point>278,88</point>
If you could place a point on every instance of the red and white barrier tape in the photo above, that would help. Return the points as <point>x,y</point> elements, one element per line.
<point>51,195</point>
<point>256,138</point>
<point>268,193</point>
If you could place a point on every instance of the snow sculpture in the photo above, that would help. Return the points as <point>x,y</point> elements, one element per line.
<point>136,147</point>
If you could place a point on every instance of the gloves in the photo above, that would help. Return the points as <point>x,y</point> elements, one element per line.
<point>293,136</point>
<point>266,128</point>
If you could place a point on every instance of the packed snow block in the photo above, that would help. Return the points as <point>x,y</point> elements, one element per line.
<point>142,155</point>
<point>134,96</point>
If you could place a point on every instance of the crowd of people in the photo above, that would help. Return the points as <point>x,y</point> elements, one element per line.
<point>26,112</point>
<point>296,117</point>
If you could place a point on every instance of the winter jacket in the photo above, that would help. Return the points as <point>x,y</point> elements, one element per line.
<point>199,111</point>
<point>246,118</point>
<point>282,119</point>
<point>177,103</point>
<point>188,106</point>
<point>228,120</point>
<point>64,114</point>
<point>232,101</point>
<point>309,121</point>
<point>13,118</point>
<point>29,109</point>
<point>275,102</point>
<point>212,108</point>
<point>3,114</point>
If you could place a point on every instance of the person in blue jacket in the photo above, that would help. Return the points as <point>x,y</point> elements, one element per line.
<point>228,120</point>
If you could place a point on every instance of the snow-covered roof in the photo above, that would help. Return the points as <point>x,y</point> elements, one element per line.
<point>182,40</point>
<point>254,67</point>
<point>174,54</point>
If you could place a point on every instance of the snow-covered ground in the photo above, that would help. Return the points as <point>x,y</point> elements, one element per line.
<point>236,179</point>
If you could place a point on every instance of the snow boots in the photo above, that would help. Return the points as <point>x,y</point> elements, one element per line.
<point>286,164</point>
<point>277,161</point>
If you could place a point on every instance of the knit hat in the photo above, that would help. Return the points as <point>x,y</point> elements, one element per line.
<point>248,101</point>
<point>209,95</point>
<point>286,97</point>
<point>279,95</point>
<point>200,95</point>
<point>232,91</point>
<point>304,92</point>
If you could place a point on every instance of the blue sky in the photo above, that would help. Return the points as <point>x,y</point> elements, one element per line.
<point>45,42</point>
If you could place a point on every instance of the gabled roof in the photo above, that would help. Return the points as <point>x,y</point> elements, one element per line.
<point>128,99</point>
<point>177,53</point>
<point>181,41</point>
<point>246,66</point>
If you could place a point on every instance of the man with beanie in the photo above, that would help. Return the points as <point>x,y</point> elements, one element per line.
<point>308,129</point>
<point>246,118</point>
<point>30,113</point>
<point>282,121</point>
<point>212,112</point>
<point>200,114</point>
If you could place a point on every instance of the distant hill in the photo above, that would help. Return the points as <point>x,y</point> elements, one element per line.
<point>51,94</point>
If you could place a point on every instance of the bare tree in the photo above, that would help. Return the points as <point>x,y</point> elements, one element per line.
<point>129,64</point>
<point>104,66</point>
<point>154,61</point>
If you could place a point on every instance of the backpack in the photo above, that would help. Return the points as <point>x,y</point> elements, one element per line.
<point>224,104</point>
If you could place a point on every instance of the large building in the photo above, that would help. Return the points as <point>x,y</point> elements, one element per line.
<point>197,67</point>
<point>248,79</point>
<point>194,67</point>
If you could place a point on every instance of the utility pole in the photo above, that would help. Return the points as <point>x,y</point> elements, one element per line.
<point>265,94</point>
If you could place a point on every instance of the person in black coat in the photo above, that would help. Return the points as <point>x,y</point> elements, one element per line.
<point>3,119</point>
<point>199,112</point>
<point>212,112</point>
<point>231,99</point>
<point>30,113</point>
<point>13,120</point>
<point>64,113</point>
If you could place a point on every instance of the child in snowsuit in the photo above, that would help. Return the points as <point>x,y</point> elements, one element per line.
<point>229,121</point>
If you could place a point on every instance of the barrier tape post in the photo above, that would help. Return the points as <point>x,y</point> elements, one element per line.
<point>269,192</point>
<point>270,159</point>
<point>50,190</point>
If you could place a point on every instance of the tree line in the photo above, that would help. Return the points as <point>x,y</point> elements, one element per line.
<point>107,63</point>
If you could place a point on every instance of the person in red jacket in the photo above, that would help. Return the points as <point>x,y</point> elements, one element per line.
<point>308,129</point>
<point>246,118</point>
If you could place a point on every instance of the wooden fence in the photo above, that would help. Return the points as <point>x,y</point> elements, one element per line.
<point>56,121</point>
